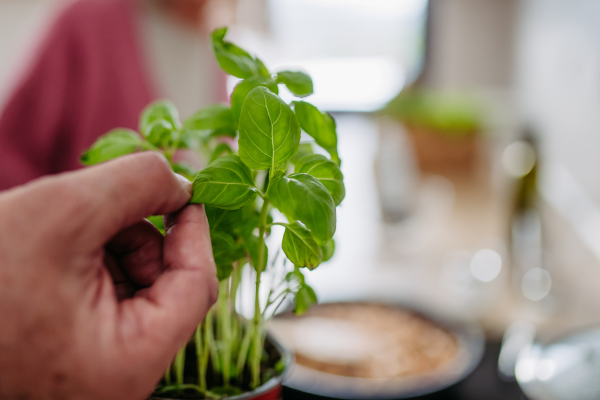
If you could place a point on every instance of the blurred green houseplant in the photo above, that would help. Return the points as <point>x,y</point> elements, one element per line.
<point>444,128</point>
<point>266,169</point>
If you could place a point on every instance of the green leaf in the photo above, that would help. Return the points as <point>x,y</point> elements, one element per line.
<point>159,132</point>
<point>185,170</point>
<point>241,90</point>
<point>216,118</point>
<point>300,247</point>
<point>223,220</point>
<point>328,250</point>
<point>157,221</point>
<point>225,183</point>
<point>220,149</point>
<point>320,126</point>
<point>251,244</point>
<point>304,150</point>
<point>298,83</point>
<point>225,252</point>
<point>115,143</point>
<point>305,298</point>
<point>262,68</point>
<point>327,172</point>
<point>159,110</point>
<point>302,197</point>
<point>233,59</point>
<point>269,131</point>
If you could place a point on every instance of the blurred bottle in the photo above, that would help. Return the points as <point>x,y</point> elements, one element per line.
<point>529,276</point>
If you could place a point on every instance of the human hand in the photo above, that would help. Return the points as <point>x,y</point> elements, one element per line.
<point>94,302</point>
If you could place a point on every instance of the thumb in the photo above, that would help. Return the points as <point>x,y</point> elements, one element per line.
<point>169,310</point>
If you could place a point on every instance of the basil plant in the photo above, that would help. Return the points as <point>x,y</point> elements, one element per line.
<point>268,168</point>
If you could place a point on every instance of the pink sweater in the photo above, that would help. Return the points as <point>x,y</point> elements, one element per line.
<point>86,78</point>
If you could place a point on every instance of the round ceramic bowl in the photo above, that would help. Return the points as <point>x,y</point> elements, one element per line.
<point>470,344</point>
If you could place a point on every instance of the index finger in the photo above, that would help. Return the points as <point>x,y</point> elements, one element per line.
<point>104,199</point>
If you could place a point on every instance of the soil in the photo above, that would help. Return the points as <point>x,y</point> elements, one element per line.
<point>365,340</point>
<point>271,357</point>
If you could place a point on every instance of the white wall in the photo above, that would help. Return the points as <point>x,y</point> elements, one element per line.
<point>20,20</point>
<point>558,83</point>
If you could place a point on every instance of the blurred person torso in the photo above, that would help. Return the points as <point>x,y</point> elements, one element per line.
<point>99,63</point>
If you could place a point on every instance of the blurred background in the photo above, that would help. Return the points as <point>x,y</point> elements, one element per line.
<point>469,133</point>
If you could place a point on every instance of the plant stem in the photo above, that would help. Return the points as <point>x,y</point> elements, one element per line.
<point>205,355</point>
<point>180,365</point>
<point>168,376</point>
<point>214,354</point>
<point>243,354</point>
<point>224,322</point>
<point>257,348</point>
<point>199,356</point>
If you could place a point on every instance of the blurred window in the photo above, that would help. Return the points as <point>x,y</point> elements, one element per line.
<point>360,53</point>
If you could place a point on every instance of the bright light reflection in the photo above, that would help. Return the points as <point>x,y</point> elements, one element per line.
<point>536,284</point>
<point>389,8</point>
<point>347,83</point>
<point>486,265</point>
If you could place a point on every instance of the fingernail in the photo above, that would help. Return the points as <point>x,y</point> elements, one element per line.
<point>185,183</point>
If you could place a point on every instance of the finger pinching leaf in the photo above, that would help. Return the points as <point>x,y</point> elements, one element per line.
<point>321,126</point>
<point>301,197</point>
<point>327,172</point>
<point>115,143</point>
<point>300,247</point>
<point>298,83</point>
<point>226,183</point>
<point>269,131</point>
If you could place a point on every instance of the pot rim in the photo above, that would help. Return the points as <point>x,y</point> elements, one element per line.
<point>286,356</point>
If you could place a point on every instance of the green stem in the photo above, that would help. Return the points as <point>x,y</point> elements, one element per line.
<point>205,356</point>
<point>224,322</point>
<point>257,348</point>
<point>168,376</point>
<point>199,356</point>
<point>243,354</point>
<point>180,365</point>
<point>214,354</point>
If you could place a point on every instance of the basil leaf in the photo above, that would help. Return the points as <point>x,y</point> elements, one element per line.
<point>305,298</point>
<point>269,131</point>
<point>251,244</point>
<point>225,252</point>
<point>115,143</point>
<point>300,247</point>
<point>298,83</point>
<point>304,150</point>
<point>328,250</point>
<point>262,68</point>
<point>319,125</point>
<point>302,197</point>
<point>157,221</point>
<point>233,59</point>
<point>220,149</point>
<point>216,118</point>
<point>185,170</point>
<point>223,220</point>
<point>226,183</point>
<point>327,172</point>
<point>158,132</point>
<point>241,90</point>
<point>161,109</point>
